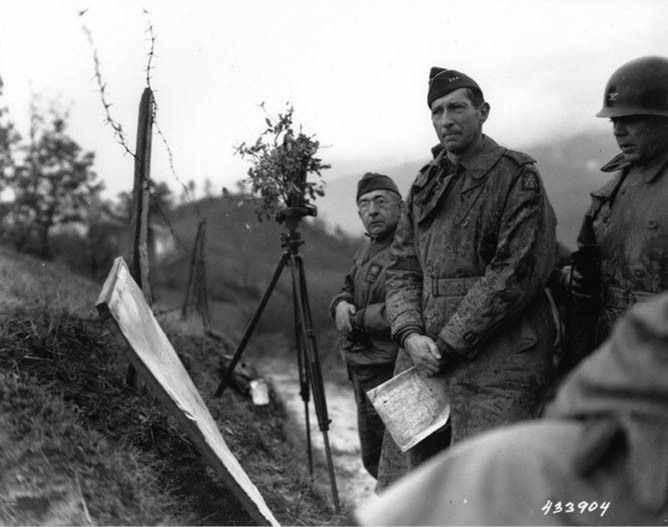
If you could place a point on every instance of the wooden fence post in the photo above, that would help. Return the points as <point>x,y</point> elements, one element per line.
<point>202,293</point>
<point>139,264</point>
<point>139,261</point>
<point>196,285</point>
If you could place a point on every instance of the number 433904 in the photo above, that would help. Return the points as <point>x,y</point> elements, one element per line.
<point>581,507</point>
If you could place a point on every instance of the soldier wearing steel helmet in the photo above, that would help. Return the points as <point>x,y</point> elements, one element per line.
<point>622,255</point>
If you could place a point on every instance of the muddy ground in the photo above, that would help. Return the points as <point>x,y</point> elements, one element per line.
<point>354,484</point>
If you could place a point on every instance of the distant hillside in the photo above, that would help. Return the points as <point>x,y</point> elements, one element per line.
<point>242,255</point>
<point>570,168</point>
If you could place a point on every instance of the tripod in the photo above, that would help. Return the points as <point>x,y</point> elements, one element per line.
<point>310,374</point>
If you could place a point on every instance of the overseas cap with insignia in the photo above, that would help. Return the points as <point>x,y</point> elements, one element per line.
<point>372,181</point>
<point>443,81</point>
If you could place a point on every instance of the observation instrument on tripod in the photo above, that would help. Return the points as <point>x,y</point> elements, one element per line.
<point>308,362</point>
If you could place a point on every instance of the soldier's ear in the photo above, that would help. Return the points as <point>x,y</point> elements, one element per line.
<point>484,111</point>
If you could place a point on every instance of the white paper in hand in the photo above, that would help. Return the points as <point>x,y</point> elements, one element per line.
<point>411,406</point>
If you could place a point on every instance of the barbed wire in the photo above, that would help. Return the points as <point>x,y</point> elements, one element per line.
<point>122,140</point>
<point>163,139</point>
<point>170,158</point>
<point>102,88</point>
<point>169,224</point>
<point>151,52</point>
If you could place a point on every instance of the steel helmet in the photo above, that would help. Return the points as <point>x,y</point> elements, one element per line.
<point>639,87</point>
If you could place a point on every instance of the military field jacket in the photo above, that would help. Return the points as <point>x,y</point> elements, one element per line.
<point>364,287</point>
<point>628,222</point>
<point>473,249</point>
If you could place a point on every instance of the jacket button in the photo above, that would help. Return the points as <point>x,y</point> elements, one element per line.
<point>638,273</point>
<point>652,224</point>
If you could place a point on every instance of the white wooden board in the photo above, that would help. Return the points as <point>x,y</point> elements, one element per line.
<point>411,406</point>
<point>155,358</point>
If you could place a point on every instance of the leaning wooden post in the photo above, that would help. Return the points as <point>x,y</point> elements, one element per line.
<point>202,295</point>
<point>139,264</point>
<point>196,285</point>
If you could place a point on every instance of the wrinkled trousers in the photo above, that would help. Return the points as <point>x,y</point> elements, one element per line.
<point>370,426</point>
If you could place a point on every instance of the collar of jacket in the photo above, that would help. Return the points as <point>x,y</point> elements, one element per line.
<point>380,240</point>
<point>478,162</point>
<point>650,172</point>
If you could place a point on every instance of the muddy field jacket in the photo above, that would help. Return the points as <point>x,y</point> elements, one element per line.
<point>598,457</point>
<point>471,258</point>
<point>484,249</point>
<point>628,223</point>
<point>364,287</point>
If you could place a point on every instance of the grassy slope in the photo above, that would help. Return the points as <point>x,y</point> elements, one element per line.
<point>78,446</point>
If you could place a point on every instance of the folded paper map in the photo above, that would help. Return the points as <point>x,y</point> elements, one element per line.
<point>411,406</point>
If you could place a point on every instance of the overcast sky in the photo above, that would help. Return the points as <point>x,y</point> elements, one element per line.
<point>355,71</point>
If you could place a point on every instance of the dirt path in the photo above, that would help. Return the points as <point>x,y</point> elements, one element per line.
<point>354,484</point>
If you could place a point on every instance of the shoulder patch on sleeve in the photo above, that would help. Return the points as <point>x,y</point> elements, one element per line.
<point>519,157</point>
<point>530,180</point>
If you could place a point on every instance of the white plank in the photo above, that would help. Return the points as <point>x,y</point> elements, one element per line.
<point>154,357</point>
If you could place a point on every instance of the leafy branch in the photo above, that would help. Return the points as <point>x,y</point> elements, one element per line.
<point>280,164</point>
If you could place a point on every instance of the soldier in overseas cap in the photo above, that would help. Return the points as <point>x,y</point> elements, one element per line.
<point>358,309</point>
<point>622,255</point>
<point>472,255</point>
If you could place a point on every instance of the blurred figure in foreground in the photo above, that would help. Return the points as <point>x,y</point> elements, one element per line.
<point>598,457</point>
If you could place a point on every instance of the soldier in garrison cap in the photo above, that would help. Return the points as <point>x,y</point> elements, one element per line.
<point>472,255</point>
<point>622,255</point>
<point>358,309</point>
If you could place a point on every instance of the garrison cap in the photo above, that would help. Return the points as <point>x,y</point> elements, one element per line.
<point>443,81</point>
<point>372,181</point>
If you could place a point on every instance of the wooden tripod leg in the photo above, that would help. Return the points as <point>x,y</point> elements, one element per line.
<point>313,367</point>
<point>251,325</point>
